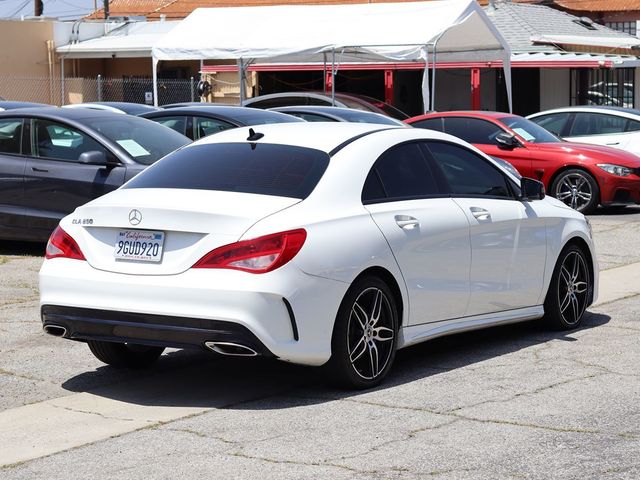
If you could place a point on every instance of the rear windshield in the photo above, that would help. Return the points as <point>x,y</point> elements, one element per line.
<point>266,169</point>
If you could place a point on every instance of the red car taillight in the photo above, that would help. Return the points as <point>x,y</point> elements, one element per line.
<point>259,255</point>
<point>61,244</point>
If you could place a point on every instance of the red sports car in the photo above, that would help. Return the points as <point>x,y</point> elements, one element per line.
<point>580,175</point>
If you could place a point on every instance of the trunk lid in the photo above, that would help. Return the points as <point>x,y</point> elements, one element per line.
<point>192,222</point>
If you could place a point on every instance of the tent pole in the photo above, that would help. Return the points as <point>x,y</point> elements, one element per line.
<point>154,69</point>
<point>506,67</point>
<point>241,72</point>
<point>433,78</point>
<point>61,80</point>
<point>333,77</point>
<point>324,73</point>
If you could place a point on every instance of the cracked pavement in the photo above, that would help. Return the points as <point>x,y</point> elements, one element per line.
<point>511,402</point>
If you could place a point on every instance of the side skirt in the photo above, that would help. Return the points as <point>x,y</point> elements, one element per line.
<point>420,333</point>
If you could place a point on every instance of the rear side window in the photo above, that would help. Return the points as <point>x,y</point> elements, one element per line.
<point>203,127</point>
<point>597,124</point>
<point>467,173</point>
<point>472,130</point>
<point>265,169</point>
<point>400,173</point>
<point>429,123</point>
<point>10,135</point>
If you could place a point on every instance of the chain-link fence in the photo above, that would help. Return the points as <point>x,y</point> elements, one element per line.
<point>57,91</point>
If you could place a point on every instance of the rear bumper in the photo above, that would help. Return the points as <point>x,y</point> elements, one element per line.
<point>143,329</point>
<point>285,313</point>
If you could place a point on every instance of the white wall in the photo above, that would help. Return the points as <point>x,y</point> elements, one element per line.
<point>554,88</point>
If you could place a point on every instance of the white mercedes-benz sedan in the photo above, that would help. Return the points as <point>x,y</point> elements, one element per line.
<point>328,244</point>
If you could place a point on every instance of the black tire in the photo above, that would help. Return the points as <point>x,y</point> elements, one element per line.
<point>362,347</point>
<point>124,355</point>
<point>577,189</point>
<point>569,290</point>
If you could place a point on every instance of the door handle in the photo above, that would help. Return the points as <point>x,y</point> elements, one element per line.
<point>41,170</point>
<point>480,213</point>
<point>406,222</point>
<point>614,143</point>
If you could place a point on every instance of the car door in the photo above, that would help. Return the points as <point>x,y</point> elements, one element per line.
<point>55,182</point>
<point>601,129</point>
<point>12,165</point>
<point>426,231</point>
<point>482,134</point>
<point>508,238</point>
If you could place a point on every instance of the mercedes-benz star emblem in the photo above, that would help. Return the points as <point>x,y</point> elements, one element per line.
<point>135,217</point>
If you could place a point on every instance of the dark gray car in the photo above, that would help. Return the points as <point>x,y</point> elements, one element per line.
<point>200,121</point>
<point>52,160</point>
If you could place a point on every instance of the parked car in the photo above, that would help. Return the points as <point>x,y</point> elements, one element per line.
<point>55,159</point>
<point>115,107</point>
<point>199,122</point>
<point>321,113</point>
<point>611,126</point>
<point>580,175</point>
<point>9,105</point>
<point>319,244</point>
<point>345,100</point>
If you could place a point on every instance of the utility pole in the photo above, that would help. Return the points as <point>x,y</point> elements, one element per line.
<point>106,9</point>
<point>37,8</point>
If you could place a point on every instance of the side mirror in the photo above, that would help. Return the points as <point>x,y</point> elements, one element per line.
<point>531,189</point>
<point>93,157</point>
<point>507,141</point>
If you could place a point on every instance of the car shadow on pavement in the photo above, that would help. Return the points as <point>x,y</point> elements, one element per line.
<point>615,211</point>
<point>202,380</point>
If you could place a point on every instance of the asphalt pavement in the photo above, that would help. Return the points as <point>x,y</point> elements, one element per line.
<point>509,402</point>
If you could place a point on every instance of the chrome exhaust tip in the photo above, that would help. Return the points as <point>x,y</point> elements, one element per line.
<point>55,330</point>
<point>232,349</point>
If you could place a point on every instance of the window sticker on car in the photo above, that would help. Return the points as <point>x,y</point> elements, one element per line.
<point>524,134</point>
<point>133,148</point>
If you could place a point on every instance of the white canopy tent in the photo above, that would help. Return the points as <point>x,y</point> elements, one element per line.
<point>426,32</point>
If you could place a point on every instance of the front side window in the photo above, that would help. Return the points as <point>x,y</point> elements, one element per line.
<point>60,142</point>
<point>400,173</point>
<point>10,135</point>
<point>472,130</point>
<point>177,123</point>
<point>466,173</point>
<point>554,122</point>
<point>203,127</point>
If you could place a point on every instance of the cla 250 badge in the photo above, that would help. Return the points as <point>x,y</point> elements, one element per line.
<point>82,221</point>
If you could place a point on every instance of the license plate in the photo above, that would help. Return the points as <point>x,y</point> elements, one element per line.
<point>139,245</point>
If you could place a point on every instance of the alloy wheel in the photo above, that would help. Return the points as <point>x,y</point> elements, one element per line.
<point>371,333</point>
<point>573,286</point>
<point>575,191</point>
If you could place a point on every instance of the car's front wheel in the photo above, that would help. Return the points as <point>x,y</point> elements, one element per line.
<point>577,189</point>
<point>569,290</point>
<point>124,355</point>
<point>364,336</point>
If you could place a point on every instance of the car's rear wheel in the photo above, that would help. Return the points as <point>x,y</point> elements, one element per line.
<point>577,189</point>
<point>124,355</point>
<point>364,339</point>
<point>569,290</point>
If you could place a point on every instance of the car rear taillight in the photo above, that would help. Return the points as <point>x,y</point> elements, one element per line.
<point>259,255</point>
<point>61,244</point>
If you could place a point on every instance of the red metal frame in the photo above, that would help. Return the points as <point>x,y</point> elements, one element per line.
<point>475,89</point>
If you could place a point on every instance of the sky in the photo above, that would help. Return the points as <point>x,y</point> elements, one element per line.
<point>63,9</point>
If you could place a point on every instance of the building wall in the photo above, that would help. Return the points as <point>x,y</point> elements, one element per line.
<point>554,88</point>
<point>453,89</point>
<point>25,50</point>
